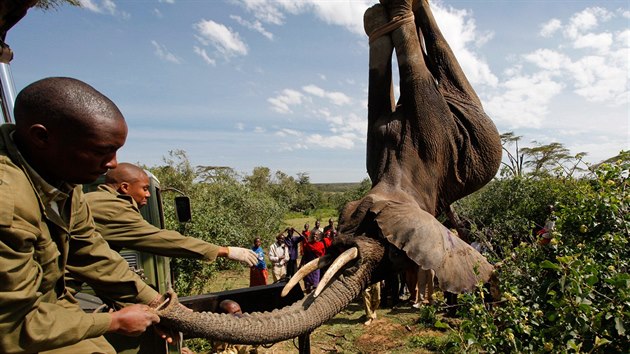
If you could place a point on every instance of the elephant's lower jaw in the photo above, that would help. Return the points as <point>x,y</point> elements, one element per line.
<point>292,321</point>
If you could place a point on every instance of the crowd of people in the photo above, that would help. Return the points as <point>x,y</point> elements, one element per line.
<point>293,249</point>
<point>290,246</point>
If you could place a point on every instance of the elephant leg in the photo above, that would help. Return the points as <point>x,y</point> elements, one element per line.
<point>381,95</point>
<point>381,101</point>
<point>421,103</point>
<point>476,139</point>
<point>440,58</point>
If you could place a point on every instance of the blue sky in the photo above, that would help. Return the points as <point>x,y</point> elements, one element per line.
<point>283,84</point>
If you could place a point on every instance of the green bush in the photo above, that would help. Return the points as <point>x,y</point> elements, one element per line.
<point>571,295</point>
<point>226,212</point>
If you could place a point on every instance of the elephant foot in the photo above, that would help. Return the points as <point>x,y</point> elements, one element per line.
<point>375,17</point>
<point>377,23</point>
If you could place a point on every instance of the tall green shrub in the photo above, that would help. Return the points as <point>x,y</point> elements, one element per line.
<point>572,295</point>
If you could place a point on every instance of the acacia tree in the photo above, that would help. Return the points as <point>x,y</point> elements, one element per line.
<point>541,159</point>
<point>544,158</point>
<point>515,167</point>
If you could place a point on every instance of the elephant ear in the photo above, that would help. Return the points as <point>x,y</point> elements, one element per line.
<point>457,265</point>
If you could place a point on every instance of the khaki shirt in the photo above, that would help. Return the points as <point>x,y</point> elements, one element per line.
<point>118,219</point>
<point>36,247</point>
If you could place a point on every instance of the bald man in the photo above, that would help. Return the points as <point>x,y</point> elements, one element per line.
<point>66,133</point>
<point>116,210</point>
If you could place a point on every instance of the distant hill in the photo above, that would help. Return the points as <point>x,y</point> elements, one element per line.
<point>335,187</point>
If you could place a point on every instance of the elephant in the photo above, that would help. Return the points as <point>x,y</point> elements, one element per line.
<point>431,148</point>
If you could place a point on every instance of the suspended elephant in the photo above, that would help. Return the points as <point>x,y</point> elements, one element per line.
<point>431,148</point>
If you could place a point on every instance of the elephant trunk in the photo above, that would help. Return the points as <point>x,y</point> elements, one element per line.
<point>269,327</point>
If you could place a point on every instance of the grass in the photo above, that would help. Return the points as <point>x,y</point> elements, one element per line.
<point>298,220</point>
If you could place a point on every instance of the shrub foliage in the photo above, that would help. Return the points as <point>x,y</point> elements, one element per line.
<point>571,295</point>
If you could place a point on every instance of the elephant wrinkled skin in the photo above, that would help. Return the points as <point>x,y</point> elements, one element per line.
<point>431,148</point>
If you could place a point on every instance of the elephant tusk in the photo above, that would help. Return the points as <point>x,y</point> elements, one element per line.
<point>305,270</point>
<point>341,261</point>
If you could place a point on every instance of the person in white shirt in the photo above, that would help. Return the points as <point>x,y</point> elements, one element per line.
<point>279,256</point>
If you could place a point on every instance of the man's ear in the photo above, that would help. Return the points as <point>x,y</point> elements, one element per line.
<point>39,136</point>
<point>123,188</point>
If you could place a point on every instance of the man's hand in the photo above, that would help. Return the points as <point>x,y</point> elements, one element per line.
<point>248,257</point>
<point>133,320</point>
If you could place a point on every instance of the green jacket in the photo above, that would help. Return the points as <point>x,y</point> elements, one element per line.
<point>118,219</point>
<point>36,248</point>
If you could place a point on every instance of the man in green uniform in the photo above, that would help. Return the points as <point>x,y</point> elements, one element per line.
<point>116,210</point>
<point>66,133</point>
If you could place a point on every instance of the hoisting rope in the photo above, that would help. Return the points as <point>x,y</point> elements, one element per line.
<point>390,26</point>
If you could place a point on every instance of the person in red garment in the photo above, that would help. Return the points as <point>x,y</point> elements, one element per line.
<point>258,272</point>
<point>314,247</point>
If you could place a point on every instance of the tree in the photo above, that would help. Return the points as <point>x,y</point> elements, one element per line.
<point>542,159</point>
<point>339,201</point>
<point>226,212</point>
<point>516,160</point>
<point>260,179</point>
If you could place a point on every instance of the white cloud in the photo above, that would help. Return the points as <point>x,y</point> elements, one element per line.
<point>548,59</point>
<point>346,129</point>
<point>240,126</point>
<point>343,141</point>
<point>549,28</point>
<point>460,31</point>
<point>259,130</point>
<point>586,20</point>
<point>104,7</point>
<point>348,14</point>
<point>600,42</point>
<point>337,98</point>
<point>222,38</point>
<point>288,132</point>
<point>596,69</point>
<point>284,101</point>
<point>458,26</point>
<point>158,13</point>
<point>256,26</point>
<point>204,55</point>
<point>597,79</point>
<point>162,52</point>
<point>523,101</point>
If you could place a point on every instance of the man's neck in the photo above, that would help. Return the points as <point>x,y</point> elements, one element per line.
<point>35,163</point>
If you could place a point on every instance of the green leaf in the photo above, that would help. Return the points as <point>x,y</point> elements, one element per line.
<point>592,280</point>
<point>441,325</point>
<point>565,259</point>
<point>619,326</point>
<point>600,341</point>
<point>549,265</point>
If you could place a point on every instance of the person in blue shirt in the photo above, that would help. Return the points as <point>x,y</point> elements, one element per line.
<point>258,273</point>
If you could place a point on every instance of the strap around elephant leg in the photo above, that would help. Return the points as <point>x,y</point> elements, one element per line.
<point>390,26</point>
